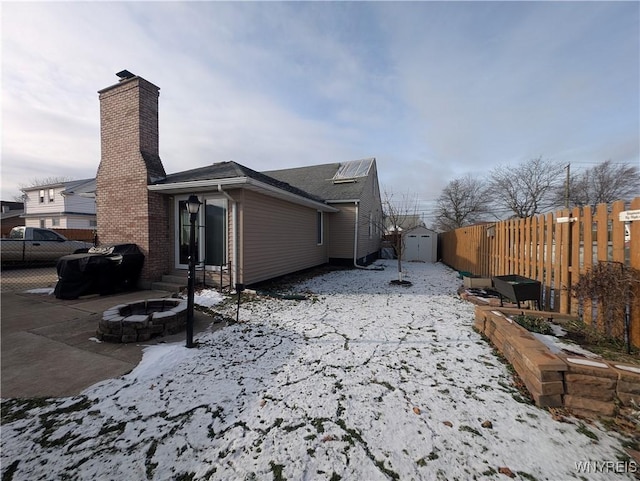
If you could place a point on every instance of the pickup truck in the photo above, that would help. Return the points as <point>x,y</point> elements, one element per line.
<point>31,245</point>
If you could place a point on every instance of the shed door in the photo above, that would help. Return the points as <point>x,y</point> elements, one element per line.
<point>419,248</point>
<point>411,247</point>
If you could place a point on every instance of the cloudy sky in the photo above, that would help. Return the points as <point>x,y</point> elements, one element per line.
<point>433,90</point>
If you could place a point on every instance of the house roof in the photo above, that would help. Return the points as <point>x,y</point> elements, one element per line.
<point>232,170</point>
<point>405,222</point>
<point>233,174</point>
<point>12,209</point>
<point>83,188</point>
<point>331,182</point>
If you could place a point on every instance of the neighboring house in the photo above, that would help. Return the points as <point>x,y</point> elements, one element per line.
<point>404,222</point>
<point>63,205</point>
<point>255,226</point>
<point>420,244</point>
<point>11,216</point>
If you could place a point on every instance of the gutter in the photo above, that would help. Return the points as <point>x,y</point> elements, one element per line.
<point>247,182</point>
<point>193,185</point>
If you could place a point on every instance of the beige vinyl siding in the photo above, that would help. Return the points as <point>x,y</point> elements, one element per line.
<point>343,222</point>
<point>342,232</point>
<point>277,238</point>
<point>369,204</point>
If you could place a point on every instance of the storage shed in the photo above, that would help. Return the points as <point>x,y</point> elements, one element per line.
<point>420,244</point>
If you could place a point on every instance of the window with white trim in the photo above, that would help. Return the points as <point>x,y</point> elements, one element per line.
<point>52,195</point>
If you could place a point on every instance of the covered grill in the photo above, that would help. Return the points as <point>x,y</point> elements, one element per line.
<point>101,270</point>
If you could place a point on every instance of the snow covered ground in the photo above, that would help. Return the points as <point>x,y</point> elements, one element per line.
<point>362,381</point>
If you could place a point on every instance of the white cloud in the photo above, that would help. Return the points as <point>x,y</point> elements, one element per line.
<point>433,90</point>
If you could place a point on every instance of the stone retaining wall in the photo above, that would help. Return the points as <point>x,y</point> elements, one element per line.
<point>588,387</point>
<point>139,321</point>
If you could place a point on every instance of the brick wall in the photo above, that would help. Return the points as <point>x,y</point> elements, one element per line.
<point>126,211</point>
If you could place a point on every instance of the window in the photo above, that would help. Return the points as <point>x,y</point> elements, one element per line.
<point>55,222</point>
<point>370,225</point>
<point>319,228</point>
<point>42,224</point>
<point>42,198</point>
<point>93,223</point>
<point>45,235</point>
<point>52,194</point>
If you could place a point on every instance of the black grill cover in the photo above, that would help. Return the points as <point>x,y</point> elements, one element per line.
<point>102,270</point>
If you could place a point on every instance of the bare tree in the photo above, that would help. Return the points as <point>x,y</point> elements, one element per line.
<point>397,208</point>
<point>43,181</point>
<point>604,183</point>
<point>463,201</point>
<point>527,189</point>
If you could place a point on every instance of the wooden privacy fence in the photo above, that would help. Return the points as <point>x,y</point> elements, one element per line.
<point>86,235</point>
<point>555,249</point>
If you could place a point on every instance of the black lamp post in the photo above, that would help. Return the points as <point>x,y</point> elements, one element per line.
<point>193,206</point>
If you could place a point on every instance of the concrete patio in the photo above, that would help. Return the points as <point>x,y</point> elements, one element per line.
<point>49,346</point>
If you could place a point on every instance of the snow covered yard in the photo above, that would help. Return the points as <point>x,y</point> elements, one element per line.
<point>363,381</point>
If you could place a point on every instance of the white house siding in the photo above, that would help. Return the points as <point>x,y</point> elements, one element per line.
<point>62,208</point>
<point>277,238</point>
<point>77,222</point>
<point>79,204</point>
<point>34,206</point>
<point>63,222</point>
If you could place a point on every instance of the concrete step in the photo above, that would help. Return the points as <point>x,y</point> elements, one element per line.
<point>178,280</point>
<point>168,286</point>
<point>175,279</point>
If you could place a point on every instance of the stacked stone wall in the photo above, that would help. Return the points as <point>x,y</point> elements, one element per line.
<point>540,371</point>
<point>587,387</point>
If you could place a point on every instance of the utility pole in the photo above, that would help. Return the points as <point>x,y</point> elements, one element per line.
<point>566,187</point>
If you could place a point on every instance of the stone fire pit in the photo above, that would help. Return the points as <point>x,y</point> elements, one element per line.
<point>140,320</point>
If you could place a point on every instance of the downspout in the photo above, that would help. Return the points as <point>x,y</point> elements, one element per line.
<point>234,235</point>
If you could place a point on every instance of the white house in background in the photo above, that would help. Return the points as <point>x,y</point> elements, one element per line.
<point>404,222</point>
<point>420,245</point>
<point>64,205</point>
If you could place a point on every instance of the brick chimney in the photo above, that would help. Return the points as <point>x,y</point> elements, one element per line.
<point>126,210</point>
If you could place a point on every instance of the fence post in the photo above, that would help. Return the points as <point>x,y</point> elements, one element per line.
<point>634,262</point>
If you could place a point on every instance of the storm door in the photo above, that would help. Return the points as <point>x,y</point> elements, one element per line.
<point>215,233</point>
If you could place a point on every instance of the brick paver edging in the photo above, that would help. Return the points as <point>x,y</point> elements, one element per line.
<point>586,386</point>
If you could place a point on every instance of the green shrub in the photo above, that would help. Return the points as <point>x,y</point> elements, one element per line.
<point>534,324</point>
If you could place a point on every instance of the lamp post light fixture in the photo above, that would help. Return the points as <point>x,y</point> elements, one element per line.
<point>193,206</point>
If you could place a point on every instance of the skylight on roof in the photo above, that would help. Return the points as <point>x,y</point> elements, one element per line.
<point>353,169</point>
